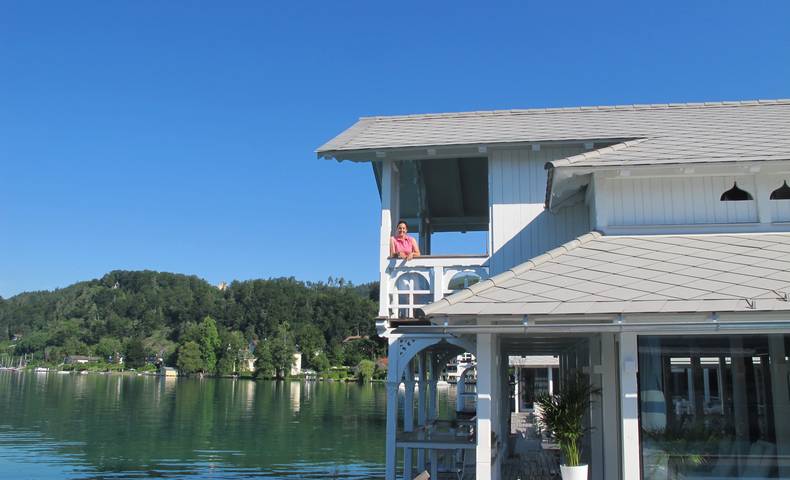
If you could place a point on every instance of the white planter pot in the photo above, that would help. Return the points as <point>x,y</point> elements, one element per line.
<point>574,473</point>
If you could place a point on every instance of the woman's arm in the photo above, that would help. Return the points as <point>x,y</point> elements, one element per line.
<point>415,249</point>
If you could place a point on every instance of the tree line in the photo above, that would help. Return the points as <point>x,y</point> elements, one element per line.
<point>201,328</point>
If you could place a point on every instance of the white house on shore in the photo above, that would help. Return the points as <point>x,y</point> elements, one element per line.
<point>646,247</point>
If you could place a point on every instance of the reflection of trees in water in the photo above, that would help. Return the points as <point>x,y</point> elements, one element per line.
<point>124,423</point>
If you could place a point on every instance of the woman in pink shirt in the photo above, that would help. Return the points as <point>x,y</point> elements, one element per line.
<point>402,245</point>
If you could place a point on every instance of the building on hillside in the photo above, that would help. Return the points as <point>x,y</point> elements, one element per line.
<point>296,365</point>
<point>168,371</point>
<point>647,247</point>
<point>79,359</point>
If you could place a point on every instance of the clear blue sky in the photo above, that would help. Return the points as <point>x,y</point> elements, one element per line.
<point>179,135</point>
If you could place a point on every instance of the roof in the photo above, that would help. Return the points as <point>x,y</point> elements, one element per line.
<point>597,274</point>
<point>659,133</point>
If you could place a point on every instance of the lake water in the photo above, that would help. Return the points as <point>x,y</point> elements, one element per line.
<point>126,426</point>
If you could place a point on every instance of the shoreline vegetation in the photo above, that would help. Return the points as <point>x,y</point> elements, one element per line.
<point>145,321</point>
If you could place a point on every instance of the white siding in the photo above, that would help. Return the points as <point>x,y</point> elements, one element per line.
<point>520,227</point>
<point>678,201</point>
<point>780,209</point>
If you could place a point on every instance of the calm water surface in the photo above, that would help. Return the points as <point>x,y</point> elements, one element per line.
<point>113,426</point>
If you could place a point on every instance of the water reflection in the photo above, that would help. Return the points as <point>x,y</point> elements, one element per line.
<point>111,426</point>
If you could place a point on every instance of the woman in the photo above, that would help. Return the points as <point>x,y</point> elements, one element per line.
<point>402,245</point>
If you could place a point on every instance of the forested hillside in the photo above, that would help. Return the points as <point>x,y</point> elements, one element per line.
<point>153,313</point>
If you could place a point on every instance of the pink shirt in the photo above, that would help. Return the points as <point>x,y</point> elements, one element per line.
<point>403,245</point>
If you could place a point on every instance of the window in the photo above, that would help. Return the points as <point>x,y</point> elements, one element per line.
<point>462,280</point>
<point>713,406</point>
<point>413,291</point>
<point>735,194</point>
<point>781,193</point>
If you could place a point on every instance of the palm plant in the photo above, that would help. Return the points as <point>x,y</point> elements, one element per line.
<point>563,414</point>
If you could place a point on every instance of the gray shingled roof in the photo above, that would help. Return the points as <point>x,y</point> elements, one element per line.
<point>597,274</point>
<point>666,133</point>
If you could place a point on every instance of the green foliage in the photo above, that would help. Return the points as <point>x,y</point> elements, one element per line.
<point>282,349</point>
<point>135,353</point>
<point>319,363</point>
<point>563,414</point>
<point>166,310</point>
<point>232,351</point>
<point>108,347</point>
<point>365,370</point>
<point>190,358</point>
<point>264,366</point>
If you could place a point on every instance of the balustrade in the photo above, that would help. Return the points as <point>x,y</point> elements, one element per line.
<point>414,283</point>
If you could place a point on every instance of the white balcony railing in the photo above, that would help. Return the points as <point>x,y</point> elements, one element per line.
<point>411,284</point>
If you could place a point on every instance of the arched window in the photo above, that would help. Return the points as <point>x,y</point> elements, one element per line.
<point>462,280</point>
<point>735,194</point>
<point>781,193</point>
<point>414,291</point>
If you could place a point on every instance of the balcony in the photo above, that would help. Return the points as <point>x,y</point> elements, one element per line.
<point>414,283</point>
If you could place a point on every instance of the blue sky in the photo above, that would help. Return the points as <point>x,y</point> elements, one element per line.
<point>179,136</point>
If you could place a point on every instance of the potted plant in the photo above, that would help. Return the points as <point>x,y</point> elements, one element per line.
<point>563,415</point>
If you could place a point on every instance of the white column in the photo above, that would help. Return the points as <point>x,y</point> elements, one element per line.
<point>596,415</point>
<point>629,407</point>
<point>437,283</point>
<point>706,384</point>
<point>550,377</point>
<point>421,405</point>
<point>392,409</point>
<point>609,403</point>
<point>385,233</point>
<point>433,404</point>
<point>781,401</point>
<point>485,360</point>
<point>516,384</point>
<point>408,418</point>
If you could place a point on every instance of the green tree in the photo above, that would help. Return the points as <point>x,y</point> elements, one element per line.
<point>108,347</point>
<point>232,348</point>
<point>320,363</point>
<point>264,367</point>
<point>190,358</point>
<point>135,353</point>
<point>282,350</point>
<point>365,370</point>
<point>209,343</point>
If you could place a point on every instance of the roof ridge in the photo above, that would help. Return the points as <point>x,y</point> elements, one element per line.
<point>511,273</point>
<point>596,108</point>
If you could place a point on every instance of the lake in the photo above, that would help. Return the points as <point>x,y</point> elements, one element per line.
<point>128,426</point>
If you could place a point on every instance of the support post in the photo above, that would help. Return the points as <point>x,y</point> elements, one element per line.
<point>516,386</point>
<point>392,409</point>
<point>596,414</point>
<point>485,359</point>
<point>609,404</point>
<point>421,404</point>
<point>781,401</point>
<point>408,418</point>
<point>385,232</point>
<point>629,407</point>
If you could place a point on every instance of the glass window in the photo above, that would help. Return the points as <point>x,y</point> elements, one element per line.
<point>714,406</point>
<point>463,280</point>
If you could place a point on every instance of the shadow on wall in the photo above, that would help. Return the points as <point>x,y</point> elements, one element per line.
<point>545,232</point>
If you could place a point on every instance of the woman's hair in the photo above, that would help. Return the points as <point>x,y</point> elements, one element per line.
<point>403,222</point>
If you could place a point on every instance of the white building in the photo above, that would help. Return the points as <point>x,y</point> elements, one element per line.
<point>646,246</point>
